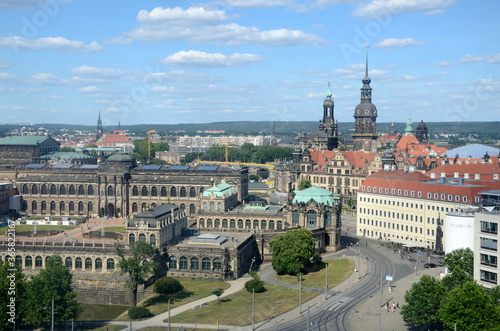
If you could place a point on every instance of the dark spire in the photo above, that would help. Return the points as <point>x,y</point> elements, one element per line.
<point>99,127</point>
<point>367,79</point>
<point>366,90</point>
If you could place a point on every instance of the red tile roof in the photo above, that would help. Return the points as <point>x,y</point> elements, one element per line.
<point>486,170</point>
<point>358,159</point>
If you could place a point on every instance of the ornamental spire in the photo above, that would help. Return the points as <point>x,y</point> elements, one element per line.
<point>328,92</point>
<point>367,79</point>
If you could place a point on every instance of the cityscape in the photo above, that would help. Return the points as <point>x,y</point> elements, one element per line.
<point>249,165</point>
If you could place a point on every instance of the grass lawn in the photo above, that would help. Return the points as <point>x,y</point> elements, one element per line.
<point>338,271</point>
<point>98,327</point>
<point>97,312</point>
<point>119,229</point>
<point>26,228</point>
<point>194,289</point>
<point>236,309</point>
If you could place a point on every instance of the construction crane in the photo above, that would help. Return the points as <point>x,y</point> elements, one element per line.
<point>149,142</point>
<point>225,142</point>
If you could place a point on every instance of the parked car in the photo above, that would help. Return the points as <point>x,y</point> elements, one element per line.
<point>440,264</point>
<point>430,265</point>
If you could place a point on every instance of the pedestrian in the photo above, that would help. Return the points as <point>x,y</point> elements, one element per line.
<point>385,307</point>
<point>397,305</point>
<point>393,306</point>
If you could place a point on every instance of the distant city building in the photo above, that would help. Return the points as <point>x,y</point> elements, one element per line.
<point>99,129</point>
<point>23,149</point>
<point>486,253</point>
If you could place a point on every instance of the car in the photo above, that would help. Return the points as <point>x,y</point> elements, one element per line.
<point>430,265</point>
<point>440,264</point>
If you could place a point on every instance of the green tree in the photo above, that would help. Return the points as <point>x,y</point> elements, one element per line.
<point>457,278</point>
<point>422,302</point>
<point>253,177</point>
<point>304,183</point>
<point>292,250</point>
<point>138,263</point>
<point>167,285</point>
<point>67,149</point>
<point>13,294</point>
<point>53,281</point>
<point>470,308</point>
<point>218,292</point>
<point>462,258</point>
<point>495,295</point>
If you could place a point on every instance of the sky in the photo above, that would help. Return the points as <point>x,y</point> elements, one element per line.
<point>168,62</point>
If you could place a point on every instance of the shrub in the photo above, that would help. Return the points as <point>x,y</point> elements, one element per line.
<point>256,285</point>
<point>298,276</point>
<point>167,285</point>
<point>138,312</point>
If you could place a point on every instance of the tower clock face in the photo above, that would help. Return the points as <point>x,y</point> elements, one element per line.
<point>366,142</point>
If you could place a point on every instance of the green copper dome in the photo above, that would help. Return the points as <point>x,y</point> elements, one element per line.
<point>321,196</point>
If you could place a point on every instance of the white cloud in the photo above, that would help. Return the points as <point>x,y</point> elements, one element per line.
<point>57,43</point>
<point>395,42</point>
<point>112,110</point>
<point>88,89</point>
<point>46,78</point>
<point>120,40</point>
<point>376,8</point>
<point>445,64</point>
<point>96,72</point>
<point>6,64</point>
<point>4,77</point>
<point>163,88</point>
<point>201,59</point>
<point>469,58</point>
<point>178,16</point>
<point>495,58</point>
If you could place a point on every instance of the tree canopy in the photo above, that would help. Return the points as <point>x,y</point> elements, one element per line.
<point>462,258</point>
<point>13,285</point>
<point>53,281</point>
<point>138,264</point>
<point>423,300</point>
<point>304,183</point>
<point>292,250</point>
<point>246,153</point>
<point>141,150</point>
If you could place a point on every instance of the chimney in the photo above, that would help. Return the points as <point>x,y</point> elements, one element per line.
<point>433,175</point>
<point>477,176</point>
<point>457,175</point>
<point>466,176</point>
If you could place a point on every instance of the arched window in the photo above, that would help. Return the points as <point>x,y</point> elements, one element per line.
<point>224,223</point>
<point>172,263</point>
<point>201,223</point>
<point>62,206</point>
<point>195,264</point>
<point>44,189</point>
<point>295,217</point>
<point>26,189</point>
<point>152,240</point>
<point>135,191</point>
<point>271,225</point>
<point>192,209</point>
<point>182,206</point>
<point>144,206</point>
<point>219,206</point>
<point>90,206</point>
<point>163,191</point>
<point>98,263</point>
<point>71,190</point>
<point>311,219</point>
<point>53,189</point>
<point>28,261</point>
<point>217,223</point>
<point>38,262</point>
<point>201,191</point>
<point>90,190</point>
<point>217,264</point>
<point>209,223</point>
<point>81,190</point>
<point>154,191</point>
<point>52,206</point>
<point>205,264</point>
<point>134,207</point>
<point>153,205</point>
<point>78,263</point>
<point>183,263</point>
<point>263,225</point>
<point>212,207</point>
<point>68,262</point>
<point>248,224</point>
<point>279,225</point>
<point>110,264</point>
<point>205,206</point>
<point>173,191</point>
<point>232,224</point>
<point>19,260</point>
<point>142,237</point>
<point>71,206</point>
<point>80,206</point>
<point>255,224</point>
<point>328,218</point>
<point>131,239</point>
<point>33,205</point>
<point>183,192</point>
<point>24,206</point>
<point>240,224</point>
<point>44,205</point>
<point>192,192</point>
<point>47,260</point>
<point>111,191</point>
<point>144,191</point>
<point>62,190</point>
<point>88,263</point>
<point>34,189</point>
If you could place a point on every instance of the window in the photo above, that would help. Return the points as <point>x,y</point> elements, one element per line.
<point>328,218</point>
<point>465,198</point>
<point>152,240</point>
<point>173,191</point>
<point>192,192</point>
<point>19,260</point>
<point>78,263</point>
<point>68,262</point>
<point>98,263</point>
<point>131,239</point>
<point>457,198</point>
<point>217,264</point>
<point>144,191</point>
<point>90,206</point>
<point>142,237</point>
<point>240,224</point>
<point>406,192</point>
<point>183,263</point>
<point>88,263</point>
<point>271,225</point>
<point>81,190</point>
<point>224,223</point>
<point>134,207</point>
<point>34,189</point>
<point>263,224</point>
<point>419,194</point>
<point>212,207</point>
<point>232,224</point>
<point>163,191</point>
<point>217,223</point>
<point>387,191</point>
<point>110,264</point>
<point>194,264</point>
<point>489,227</point>
<point>71,206</point>
<point>490,277</point>
<point>135,191</point>
<point>311,219</point>
<point>44,189</point>
<point>34,205</point>
<point>80,206</point>
<point>192,209</point>
<point>172,263</point>
<point>71,190</point>
<point>62,206</point>
<point>393,191</point>
<point>412,193</point>
<point>295,217</point>
<point>154,191</point>
<point>429,195</point>
<point>53,189</point>
<point>90,190</point>
<point>205,264</point>
<point>489,260</point>
<point>219,206</point>
<point>489,243</point>
<point>44,205</point>
<point>183,192</point>
<point>26,189</point>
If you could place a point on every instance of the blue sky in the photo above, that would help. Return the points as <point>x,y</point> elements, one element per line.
<point>229,60</point>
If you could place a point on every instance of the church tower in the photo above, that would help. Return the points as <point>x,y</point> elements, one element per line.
<point>99,130</point>
<point>328,125</point>
<point>365,117</point>
<point>422,132</point>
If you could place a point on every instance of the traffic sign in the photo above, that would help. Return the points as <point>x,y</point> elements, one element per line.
<point>388,277</point>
